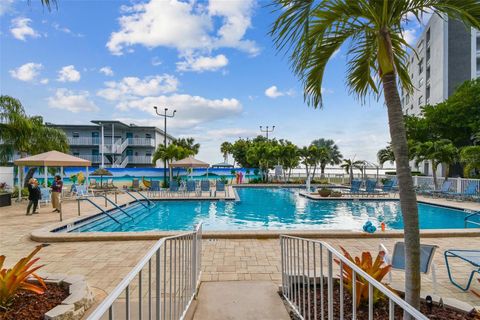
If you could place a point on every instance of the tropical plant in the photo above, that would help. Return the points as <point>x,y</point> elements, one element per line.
<point>350,164</point>
<point>14,279</point>
<point>188,144</point>
<point>226,149</point>
<point>376,269</point>
<point>288,156</point>
<point>170,153</point>
<point>470,157</point>
<point>441,151</point>
<point>329,154</point>
<point>386,155</point>
<point>313,32</point>
<point>308,156</point>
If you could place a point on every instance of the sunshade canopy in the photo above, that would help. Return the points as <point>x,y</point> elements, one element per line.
<point>189,162</point>
<point>222,165</point>
<point>53,159</point>
<point>101,172</point>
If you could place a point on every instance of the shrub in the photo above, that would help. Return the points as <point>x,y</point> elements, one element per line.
<point>11,280</point>
<point>336,194</point>
<point>324,192</point>
<point>374,268</point>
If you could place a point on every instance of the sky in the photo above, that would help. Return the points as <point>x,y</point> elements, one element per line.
<point>213,61</point>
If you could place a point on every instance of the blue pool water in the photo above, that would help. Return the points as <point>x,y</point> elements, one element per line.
<point>269,209</point>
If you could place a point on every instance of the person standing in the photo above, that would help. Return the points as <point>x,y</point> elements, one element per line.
<point>56,191</point>
<point>33,196</point>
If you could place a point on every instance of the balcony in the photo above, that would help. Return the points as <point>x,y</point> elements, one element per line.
<point>83,141</point>
<point>146,142</point>
<point>91,157</point>
<point>139,159</point>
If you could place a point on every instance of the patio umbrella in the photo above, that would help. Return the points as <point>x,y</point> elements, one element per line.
<point>101,172</point>
<point>189,162</point>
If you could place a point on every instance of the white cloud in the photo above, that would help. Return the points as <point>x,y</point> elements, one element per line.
<point>187,26</point>
<point>44,81</point>
<point>66,30</point>
<point>106,71</point>
<point>409,35</point>
<point>72,101</point>
<point>27,72</point>
<point>68,74</point>
<point>203,63</point>
<point>133,87</point>
<point>273,92</point>
<point>20,29</point>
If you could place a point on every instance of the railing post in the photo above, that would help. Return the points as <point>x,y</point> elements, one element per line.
<point>194,261</point>
<point>78,206</point>
<point>459,185</point>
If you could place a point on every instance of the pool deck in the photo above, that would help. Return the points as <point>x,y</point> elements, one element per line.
<point>105,263</point>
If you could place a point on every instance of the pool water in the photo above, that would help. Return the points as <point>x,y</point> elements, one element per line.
<point>270,209</point>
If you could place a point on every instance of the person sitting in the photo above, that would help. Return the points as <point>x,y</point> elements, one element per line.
<point>34,195</point>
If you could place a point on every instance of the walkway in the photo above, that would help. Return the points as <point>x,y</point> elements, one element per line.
<point>240,300</point>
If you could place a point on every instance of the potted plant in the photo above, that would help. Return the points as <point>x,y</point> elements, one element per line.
<point>324,192</point>
<point>336,194</point>
<point>5,195</point>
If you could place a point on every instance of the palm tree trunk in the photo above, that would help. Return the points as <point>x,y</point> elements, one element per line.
<point>322,172</point>
<point>434,173</point>
<point>408,198</point>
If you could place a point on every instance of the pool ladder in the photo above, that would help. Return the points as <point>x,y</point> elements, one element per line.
<point>99,208</point>
<point>477,213</point>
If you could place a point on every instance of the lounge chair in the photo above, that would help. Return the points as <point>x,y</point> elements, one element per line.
<point>154,188</point>
<point>110,183</point>
<point>471,192</point>
<point>205,187</point>
<point>220,187</point>
<point>174,188</point>
<point>443,190</point>
<point>355,188</point>
<point>370,186</point>
<point>397,260</point>
<point>190,187</point>
<point>388,186</point>
<point>45,196</point>
<point>135,184</point>
<point>470,256</point>
<point>82,191</point>
<point>93,183</point>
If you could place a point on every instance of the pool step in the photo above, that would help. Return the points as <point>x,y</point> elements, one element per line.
<point>239,300</point>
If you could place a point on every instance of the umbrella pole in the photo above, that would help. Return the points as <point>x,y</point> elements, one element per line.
<point>86,177</point>
<point>45,176</point>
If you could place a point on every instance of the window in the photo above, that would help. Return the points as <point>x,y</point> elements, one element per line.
<point>148,154</point>
<point>427,93</point>
<point>428,73</point>
<point>148,136</point>
<point>420,82</point>
<point>76,135</point>
<point>76,154</point>
<point>407,99</point>
<point>428,36</point>
<point>420,66</point>
<point>420,100</point>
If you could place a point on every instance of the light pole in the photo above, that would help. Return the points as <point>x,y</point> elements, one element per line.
<point>267,131</point>
<point>165,115</point>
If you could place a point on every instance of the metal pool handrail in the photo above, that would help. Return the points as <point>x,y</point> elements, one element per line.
<point>136,199</point>
<point>98,207</point>
<point>293,248</point>
<point>477,213</point>
<point>107,304</point>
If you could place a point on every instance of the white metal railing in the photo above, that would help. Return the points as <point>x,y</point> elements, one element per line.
<point>458,184</point>
<point>124,163</point>
<point>91,157</point>
<point>84,141</point>
<point>141,142</point>
<point>309,265</point>
<point>140,159</point>
<point>167,277</point>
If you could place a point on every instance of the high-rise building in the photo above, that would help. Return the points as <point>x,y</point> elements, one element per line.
<point>447,54</point>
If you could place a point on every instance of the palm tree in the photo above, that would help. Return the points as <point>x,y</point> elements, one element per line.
<point>440,151</point>
<point>329,154</point>
<point>189,144</point>
<point>350,164</point>
<point>170,153</point>
<point>226,149</point>
<point>313,31</point>
<point>470,156</point>
<point>386,155</point>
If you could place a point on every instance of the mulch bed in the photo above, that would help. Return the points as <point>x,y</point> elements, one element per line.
<point>32,306</point>
<point>380,309</point>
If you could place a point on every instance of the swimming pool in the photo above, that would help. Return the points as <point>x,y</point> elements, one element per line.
<point>266,209</point>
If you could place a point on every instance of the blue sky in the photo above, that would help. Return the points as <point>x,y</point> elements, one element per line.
<point>213,61</point>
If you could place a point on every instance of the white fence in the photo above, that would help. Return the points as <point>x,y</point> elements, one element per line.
<point>458,184</point>
<point>162,285</point>
<point>308,284</point>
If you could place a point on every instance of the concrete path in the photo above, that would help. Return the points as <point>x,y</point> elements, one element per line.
<point>243,300</point>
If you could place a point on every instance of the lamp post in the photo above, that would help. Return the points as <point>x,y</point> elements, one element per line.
<point>165,115</point>
<point>267,131</point>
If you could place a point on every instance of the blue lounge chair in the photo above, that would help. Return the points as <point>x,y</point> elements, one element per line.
<point>470,256</point>
<point>45,195</point>
<point>205,187</point>
<point>388,186</point>
<point>397,260</point>
<point>154,187</point>
<point>190,187</point>
<point>220,187</point>
<point>370,186</point>
<point>355,188</point>
<point>443,191</point>
<point>470,192</point>
<point>174,188</point>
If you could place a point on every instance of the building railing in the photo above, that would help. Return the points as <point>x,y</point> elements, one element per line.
<point>140,159</point>
<point>307,282</point>
<point>90,157</point>
<point>458,184</point>
<point>141,142</point>
<point>84,141</point>
<point>162,285</point>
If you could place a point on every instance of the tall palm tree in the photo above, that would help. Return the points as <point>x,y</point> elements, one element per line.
<point>386,155</point>
<point>170,153</point>
<point>329,155</point>
<point>313,31</point>
<point>226,149</point>
<point>350,164</point>
<point>188,143</point>
<point>440,151</point>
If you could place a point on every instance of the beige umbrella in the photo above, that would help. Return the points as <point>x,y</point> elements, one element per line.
<point>189,162</point>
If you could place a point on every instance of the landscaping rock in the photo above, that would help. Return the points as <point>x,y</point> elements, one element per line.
<point>61,312</point>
